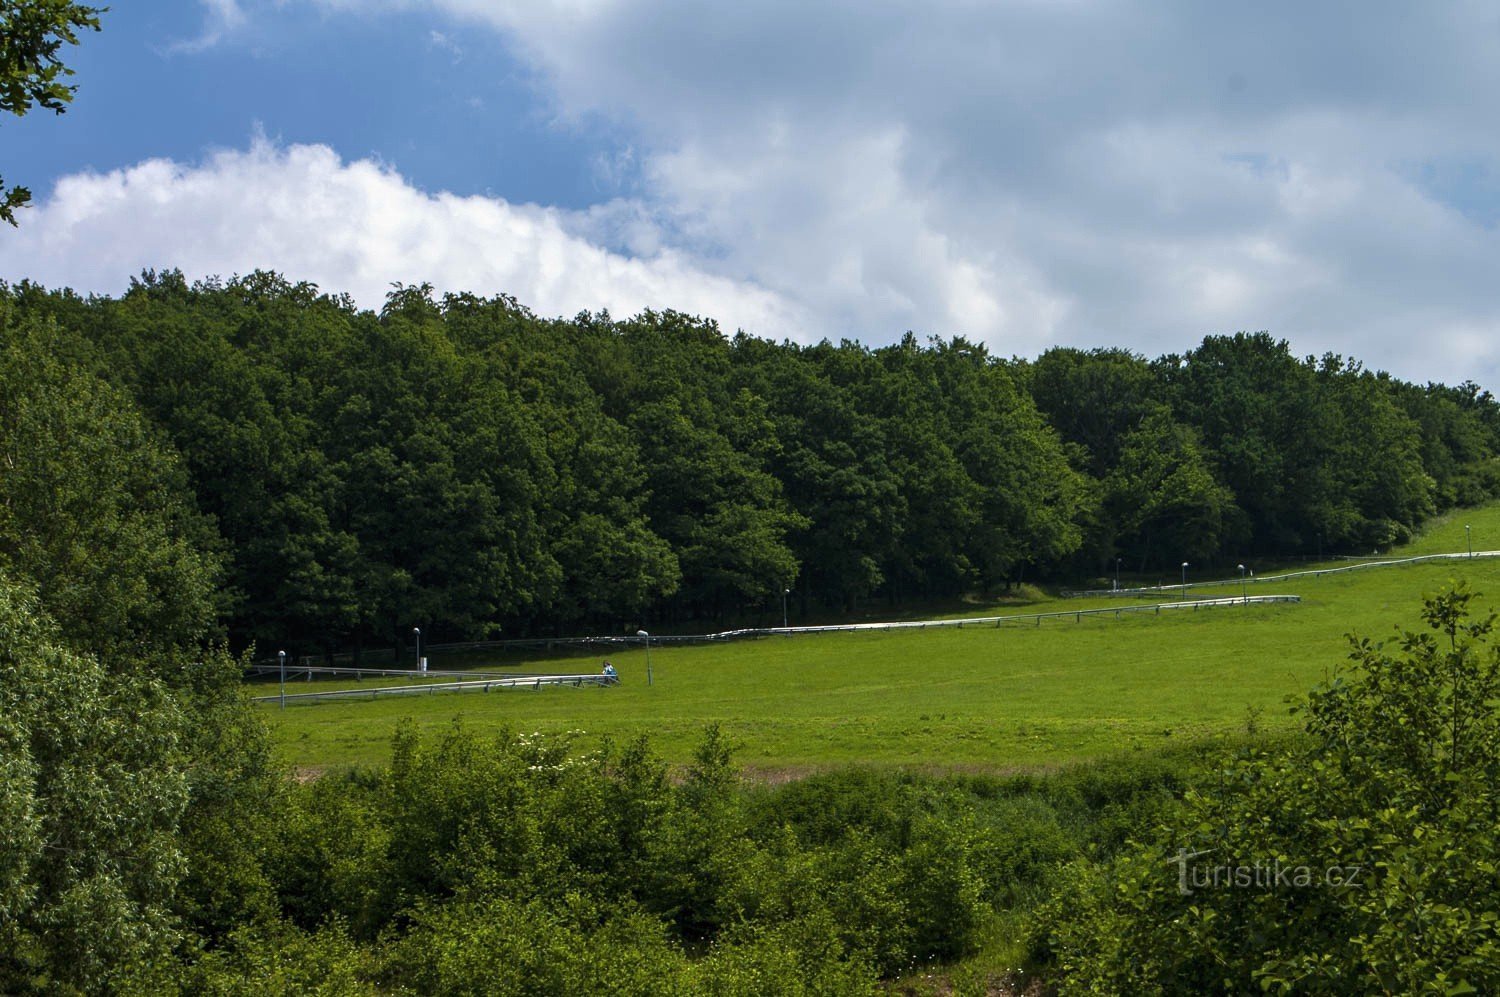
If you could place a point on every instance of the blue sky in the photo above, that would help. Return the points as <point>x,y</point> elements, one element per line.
<point>1024,173</point>
<point>448,105</point>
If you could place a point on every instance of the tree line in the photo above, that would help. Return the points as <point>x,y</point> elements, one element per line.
<point>462,464</point>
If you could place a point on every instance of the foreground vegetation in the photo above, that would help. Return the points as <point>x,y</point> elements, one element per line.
<point>518,864</point>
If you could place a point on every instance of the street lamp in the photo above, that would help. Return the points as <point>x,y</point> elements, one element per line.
<point>1117,574</point>
<point>282,656</point>
<point>642,633</point>
<point>1244,596</point>
<point>418,632</point>
<point>1469,539</point>
<point>1184,579</point>
<point>784,593</point>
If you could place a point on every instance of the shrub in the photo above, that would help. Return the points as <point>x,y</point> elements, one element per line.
<point>495,945</point>
<point>799,958</point>
<point>1399,780</point>
<point>92,786</point>
<point>277,959</point>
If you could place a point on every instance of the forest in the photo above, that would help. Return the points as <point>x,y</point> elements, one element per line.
<point>192,469</point>
<point>460,464</point>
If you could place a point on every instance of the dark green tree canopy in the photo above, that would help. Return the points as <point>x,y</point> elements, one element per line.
<point>460,464</point>
<point>95,507</point>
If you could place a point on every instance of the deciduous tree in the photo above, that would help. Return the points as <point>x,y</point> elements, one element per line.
<point>32,34</point>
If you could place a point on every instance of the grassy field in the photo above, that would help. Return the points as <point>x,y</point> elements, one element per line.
<point>980,698</point>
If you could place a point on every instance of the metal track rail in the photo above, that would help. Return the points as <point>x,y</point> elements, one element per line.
<point>483,685</point>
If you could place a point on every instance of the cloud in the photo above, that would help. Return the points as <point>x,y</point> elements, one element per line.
<point>356,227</point>
<point>445,43</point>
<point>1030,173</point>
<point>222,17</point>
<point>1024,173</point>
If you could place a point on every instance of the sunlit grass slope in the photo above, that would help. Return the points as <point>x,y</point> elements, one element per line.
<point>982,697</point>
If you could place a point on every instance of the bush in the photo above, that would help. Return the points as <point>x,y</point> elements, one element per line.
<point>856,888</point>
<point>1025,842</point>
<point>1398,787</point>
<point>903,868</point>
<point>531,841</point>
<point>333,857</point>
<point>823,808</point>
<point>699,845</point>
<point>496,945</point>
<point>92,786</point>
<point>799,958</point>
<point>277,959</point>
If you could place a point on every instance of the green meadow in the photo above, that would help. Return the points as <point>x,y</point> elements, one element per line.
<point>981,698</point>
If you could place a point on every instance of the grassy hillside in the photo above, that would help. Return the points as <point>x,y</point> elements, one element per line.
<point>978,698</point>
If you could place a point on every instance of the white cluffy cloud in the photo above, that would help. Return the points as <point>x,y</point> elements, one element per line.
<point>221,19</point>
<point>355,227</point>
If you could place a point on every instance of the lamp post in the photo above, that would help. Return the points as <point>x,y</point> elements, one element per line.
<point>1117,574</point>
<point>642,633</point>
<point>1244,596</point>
<point>1469,539</point>
<point>1184,579</point>
<point>418,632</point>
<point>282,656</point>
<point>784,593</point>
